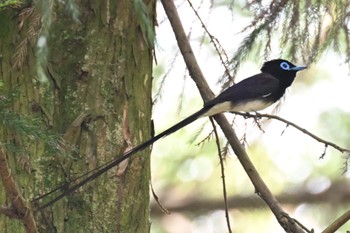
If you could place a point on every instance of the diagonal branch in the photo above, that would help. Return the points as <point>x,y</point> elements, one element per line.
<point>338,223</point>
<point>197,76</point>
<point>9,212</point>
<point>20,207</point>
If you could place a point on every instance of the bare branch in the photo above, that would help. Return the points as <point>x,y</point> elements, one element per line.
<point>338,223</point>
<point>222,176</point>
<point>207,94</point>
<point>21,208</point>
<point>338,194</point>
<point>289,123</point>
<point>9,212</point>
<point>160,205</point>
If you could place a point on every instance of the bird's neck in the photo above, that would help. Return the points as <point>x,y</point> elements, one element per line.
<point>280,92</point>
<point>287,82</point>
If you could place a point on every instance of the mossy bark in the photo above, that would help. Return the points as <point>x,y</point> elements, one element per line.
<point>98,96</point>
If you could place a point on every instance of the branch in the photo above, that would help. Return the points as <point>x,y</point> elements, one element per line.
<point>197,76</point>
<point>338,223</point>
<point>222,175</point>
<point>9,212</point>
<point>20,206</point>
<point>325,142</point>
<point>338,194</point>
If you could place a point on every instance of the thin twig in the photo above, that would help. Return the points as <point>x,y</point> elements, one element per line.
<point>156,198</point>
<point>227,214</point>
<point>216,43</point>
<point>289,123</point>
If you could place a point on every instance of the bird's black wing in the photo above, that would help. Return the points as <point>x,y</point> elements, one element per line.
<point>254,87</point>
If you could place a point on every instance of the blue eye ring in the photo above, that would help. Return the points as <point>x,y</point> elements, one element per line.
<point>285,66</point>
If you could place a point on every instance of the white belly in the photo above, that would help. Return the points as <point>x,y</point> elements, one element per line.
<point>251,106</point>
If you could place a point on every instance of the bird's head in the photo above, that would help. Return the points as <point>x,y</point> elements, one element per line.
<point>283,70</point>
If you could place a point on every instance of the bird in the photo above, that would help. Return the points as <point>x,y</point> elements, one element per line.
<point>249,95</point>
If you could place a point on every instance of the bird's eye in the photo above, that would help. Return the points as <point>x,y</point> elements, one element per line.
<point>285,66</point>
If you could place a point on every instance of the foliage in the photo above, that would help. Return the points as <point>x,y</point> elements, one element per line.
<point>40,16</point>
<point>304,29</point>
<point>10,3</point>
<point>28,127</point>
<point>145,23</point>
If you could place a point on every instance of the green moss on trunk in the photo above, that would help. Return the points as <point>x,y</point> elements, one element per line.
<point>95,70</point>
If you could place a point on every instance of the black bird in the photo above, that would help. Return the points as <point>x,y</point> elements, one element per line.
<point>250,95</point>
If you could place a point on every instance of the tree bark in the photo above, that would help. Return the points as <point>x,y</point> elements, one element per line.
<point>95,90</point>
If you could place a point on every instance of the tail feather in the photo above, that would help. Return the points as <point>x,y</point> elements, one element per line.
<point>127,155</point>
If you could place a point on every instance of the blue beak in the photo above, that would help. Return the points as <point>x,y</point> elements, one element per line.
<point>298,68</point>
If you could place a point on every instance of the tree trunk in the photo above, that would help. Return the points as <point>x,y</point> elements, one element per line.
<point>94,88</point>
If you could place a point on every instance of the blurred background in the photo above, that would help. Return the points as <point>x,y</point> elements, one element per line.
<point>186,172</point>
